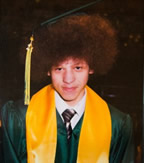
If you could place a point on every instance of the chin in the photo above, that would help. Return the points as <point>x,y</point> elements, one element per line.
<point>68,98</point>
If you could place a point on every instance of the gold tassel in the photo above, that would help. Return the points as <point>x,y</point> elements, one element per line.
<point>27,72</point>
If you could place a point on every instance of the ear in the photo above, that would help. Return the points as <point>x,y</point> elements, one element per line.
<point>48,73</point>
<point>91,71</point>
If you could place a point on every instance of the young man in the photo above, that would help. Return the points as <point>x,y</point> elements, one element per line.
<point>66,121</point>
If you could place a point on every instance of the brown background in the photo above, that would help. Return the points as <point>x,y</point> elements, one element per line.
<point>122,86</point>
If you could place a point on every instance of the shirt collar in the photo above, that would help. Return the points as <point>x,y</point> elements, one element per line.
<point>61,105</point>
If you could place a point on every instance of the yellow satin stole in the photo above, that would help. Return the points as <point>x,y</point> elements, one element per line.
<point>41,129</point>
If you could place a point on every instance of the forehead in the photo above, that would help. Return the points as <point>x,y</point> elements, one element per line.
<point>71,61</point>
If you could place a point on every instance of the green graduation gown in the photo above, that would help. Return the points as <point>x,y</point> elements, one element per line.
<point>14,136</point>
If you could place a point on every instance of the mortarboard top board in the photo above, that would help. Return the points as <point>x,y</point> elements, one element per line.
<point>30,47</point>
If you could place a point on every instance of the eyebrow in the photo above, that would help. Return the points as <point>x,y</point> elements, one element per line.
<point>77,63</point>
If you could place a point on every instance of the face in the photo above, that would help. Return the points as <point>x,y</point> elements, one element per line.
<point>69,79</point>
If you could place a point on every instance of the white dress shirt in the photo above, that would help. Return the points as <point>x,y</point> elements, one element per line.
<point>61,106</point>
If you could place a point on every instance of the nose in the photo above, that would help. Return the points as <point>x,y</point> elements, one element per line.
<point>68,76</point>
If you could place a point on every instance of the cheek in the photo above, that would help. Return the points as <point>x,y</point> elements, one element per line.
<point>83,78</point>
<point>56,80</point>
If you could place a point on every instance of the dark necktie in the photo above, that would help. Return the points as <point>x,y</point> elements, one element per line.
<point>67,116</point>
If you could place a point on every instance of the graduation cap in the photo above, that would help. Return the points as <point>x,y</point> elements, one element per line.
<point>30,47</point>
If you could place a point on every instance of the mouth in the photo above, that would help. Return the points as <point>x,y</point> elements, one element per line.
<point>69,89</point>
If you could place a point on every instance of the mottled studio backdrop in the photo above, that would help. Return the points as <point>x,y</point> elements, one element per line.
<point>122,86</point>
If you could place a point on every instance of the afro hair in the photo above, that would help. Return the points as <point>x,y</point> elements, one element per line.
<point>91,38</point>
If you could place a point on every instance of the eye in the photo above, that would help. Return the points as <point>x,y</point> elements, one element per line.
<point>58,69</point>
<point>78,67</point>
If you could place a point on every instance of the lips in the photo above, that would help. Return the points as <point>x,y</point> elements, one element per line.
<point>69,89</point>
